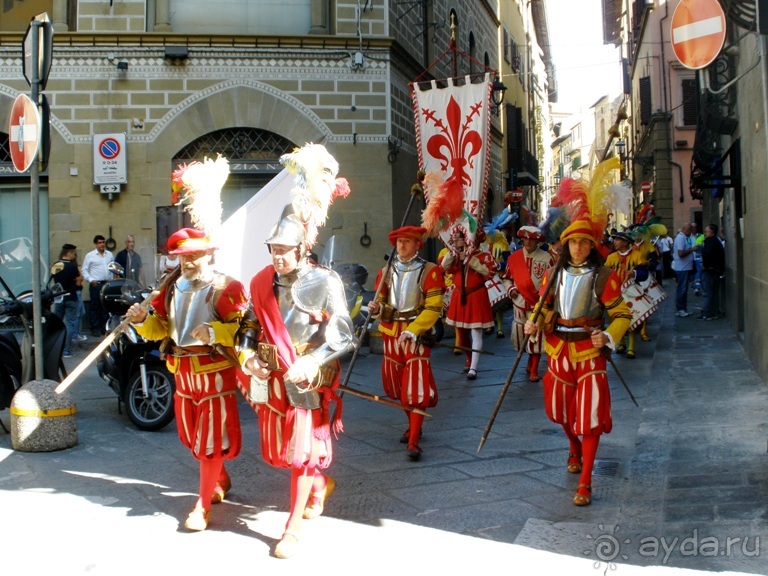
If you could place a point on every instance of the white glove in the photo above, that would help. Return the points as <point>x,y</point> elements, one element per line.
<point>304,369</point>
<point>405,335</point>
<point>478,267</point>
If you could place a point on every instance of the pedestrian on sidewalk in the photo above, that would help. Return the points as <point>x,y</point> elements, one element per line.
<point>96,273</point>
<point>713,266</point>
<point>410,302</point>
<point>67,307</point>
<point>470,309</point>
<point>576,389</point>
<point>683,265</point>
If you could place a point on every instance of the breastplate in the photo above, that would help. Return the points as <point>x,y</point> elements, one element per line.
<point>188,310</point>
<point>298,323</point>
<point>405,285</point>
<point>576,293</point>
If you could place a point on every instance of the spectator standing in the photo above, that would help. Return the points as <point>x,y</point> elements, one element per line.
<point>713,266</point>
<point>67,307</point>
<point>131,261</point>
<point>95,273</point>
<point>682,263</point>
<point>697,239</point>
<point>166,265</point>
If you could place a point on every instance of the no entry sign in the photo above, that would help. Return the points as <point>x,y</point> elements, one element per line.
<point>698,32</point>
<point>24,132</point>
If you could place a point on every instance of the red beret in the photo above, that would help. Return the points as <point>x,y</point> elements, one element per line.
<point>414,232</point>
<point>531,232</point>
<point>188,240</point>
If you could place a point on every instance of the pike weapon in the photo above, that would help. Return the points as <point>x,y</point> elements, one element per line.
<point>523,344</point>
<point>364,329</point>
<point>103,345</point>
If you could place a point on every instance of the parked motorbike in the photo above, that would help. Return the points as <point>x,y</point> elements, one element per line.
<point>132,365</point>
<point>336,256</point>
<point>17,361</point>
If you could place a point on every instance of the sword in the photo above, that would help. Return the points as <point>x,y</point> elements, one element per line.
<point>621,379</point>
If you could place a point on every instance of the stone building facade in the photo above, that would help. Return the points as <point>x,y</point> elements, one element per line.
<point>123,67</point>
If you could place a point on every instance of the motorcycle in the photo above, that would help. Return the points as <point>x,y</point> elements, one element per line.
<point>354,276</point>
<point>17,361</point>
<point>132,365</point>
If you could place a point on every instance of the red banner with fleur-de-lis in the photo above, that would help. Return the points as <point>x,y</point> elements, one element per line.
<point>453,139</point>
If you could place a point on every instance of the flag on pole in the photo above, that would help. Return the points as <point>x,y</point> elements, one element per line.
<point>453,139</point>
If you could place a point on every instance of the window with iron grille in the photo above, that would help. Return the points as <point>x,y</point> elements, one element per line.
<point>241,144</point>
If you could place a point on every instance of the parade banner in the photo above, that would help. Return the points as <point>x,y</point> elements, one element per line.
<point>453,139</point>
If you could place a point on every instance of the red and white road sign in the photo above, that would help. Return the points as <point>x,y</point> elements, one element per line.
<point>645,187</point>
<point>698,32</point>
<point>24,132</point>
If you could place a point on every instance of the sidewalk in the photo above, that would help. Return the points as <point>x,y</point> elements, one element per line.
<point>676,479</point>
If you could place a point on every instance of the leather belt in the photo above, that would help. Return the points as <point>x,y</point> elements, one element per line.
<point>192,350</point>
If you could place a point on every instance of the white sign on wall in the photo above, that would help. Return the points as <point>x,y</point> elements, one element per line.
<point>109,159</point>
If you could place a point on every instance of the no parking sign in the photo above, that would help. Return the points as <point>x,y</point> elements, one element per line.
<point>109,159</point>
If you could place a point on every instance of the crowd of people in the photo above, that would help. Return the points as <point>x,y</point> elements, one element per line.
<point>277,339</point>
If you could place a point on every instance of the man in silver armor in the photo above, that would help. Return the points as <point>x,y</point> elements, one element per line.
<point>410,302</point>
<point>296,328</point>
<point>576,392</point>
<point>197,313</point>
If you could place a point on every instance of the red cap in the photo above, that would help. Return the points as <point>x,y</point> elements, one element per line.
<point>188,240</point>
<point>414,232</point>
<point>531,232</point>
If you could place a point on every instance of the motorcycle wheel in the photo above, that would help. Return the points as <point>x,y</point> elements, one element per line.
<point>156,411</point>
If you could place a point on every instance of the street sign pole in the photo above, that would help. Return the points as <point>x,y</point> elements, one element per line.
<point>34,175</point>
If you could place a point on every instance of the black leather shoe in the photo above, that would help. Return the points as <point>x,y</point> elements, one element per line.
<point>414,452</point>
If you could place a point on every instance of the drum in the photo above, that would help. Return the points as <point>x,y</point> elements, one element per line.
<point>642,298</point>
<point>500,301</point>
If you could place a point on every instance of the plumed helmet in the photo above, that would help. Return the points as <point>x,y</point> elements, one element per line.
<point>289,230</point>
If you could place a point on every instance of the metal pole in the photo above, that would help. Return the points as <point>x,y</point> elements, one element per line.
<point>34,176</point>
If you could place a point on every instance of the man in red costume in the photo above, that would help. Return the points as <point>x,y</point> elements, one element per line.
<point>410,301</point>
<point>576,392</point>
<point>470,309</point>
<point>198,311</point>
<point>296,327</point>
<point>522,278</point>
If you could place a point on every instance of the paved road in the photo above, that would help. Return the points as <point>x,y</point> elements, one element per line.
<point>681,484</point>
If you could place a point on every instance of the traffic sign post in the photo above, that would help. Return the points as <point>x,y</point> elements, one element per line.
<point>697,32</point>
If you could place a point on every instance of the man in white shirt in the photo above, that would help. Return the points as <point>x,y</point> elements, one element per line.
<point>682,264</point>
<point>95,273</point>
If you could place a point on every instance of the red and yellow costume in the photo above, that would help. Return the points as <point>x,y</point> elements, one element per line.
<point>406,371</point>
<point>524,273</point>
<point>470,307</point>
<point>576,392</point>
<point>205,401</point>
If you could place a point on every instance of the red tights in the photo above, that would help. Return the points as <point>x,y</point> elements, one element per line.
<point>587,449</point>
<point>414,427</point>
<point>212,470</point>
<point>305,481</point>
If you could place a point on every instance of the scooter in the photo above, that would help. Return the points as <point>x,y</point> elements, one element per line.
<point>132,365</point>
<point>17,361</point>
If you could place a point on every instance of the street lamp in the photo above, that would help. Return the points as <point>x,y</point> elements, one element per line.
<point>498,90</point>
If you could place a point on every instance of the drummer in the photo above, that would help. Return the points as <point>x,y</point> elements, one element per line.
<point>522,279</point>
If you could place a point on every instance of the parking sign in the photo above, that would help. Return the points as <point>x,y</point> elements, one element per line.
<point>109,159</point>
